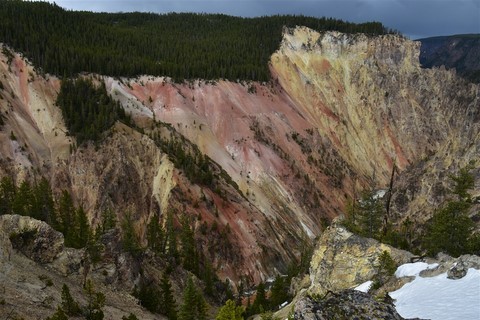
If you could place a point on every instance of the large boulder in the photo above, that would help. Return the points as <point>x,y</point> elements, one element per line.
<point>34,238</point>
<point>343,260</point>
<point>347,304</point>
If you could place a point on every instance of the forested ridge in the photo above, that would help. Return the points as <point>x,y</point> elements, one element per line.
<point>182,46</point>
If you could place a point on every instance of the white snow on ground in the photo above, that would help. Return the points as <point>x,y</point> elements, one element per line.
<point>364,287</point>
<point>438,298</point>
<point>413,269</point>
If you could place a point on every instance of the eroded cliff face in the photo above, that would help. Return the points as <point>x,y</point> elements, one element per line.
<point>340,111</point>
<point>28,109</point>
<point>129,173</point>
<point>370,97</point>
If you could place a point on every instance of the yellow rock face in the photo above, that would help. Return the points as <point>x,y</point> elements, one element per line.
<point>370,97</point>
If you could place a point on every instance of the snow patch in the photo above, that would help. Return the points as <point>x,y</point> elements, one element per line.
<point>364,287</point>
<point>413,269</point>
<point>440,298</point>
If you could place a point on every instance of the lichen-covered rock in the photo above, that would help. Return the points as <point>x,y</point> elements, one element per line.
<point>343,260</point>
<point>347,304</point>
<point>34,238</point>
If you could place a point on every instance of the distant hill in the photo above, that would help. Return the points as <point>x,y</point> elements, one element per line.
<point>461,52</point>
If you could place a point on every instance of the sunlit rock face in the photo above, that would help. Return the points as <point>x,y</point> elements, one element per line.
<point>370,96</point>
<point>343,260</point>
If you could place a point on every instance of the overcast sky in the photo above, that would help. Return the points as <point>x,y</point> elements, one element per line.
<point>414,18</point>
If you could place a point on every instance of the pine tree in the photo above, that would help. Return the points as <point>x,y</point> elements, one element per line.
<point>202,306</point>
<point>463,182</point>
<point>95,302</point>
<point>44,207</point>
<point>58,315</point>
<point>208,276</point>
<point>279,292</point>
<point>171,238</point>
<point>7,195</point>
<point>188,252</point>
<point>131,316</point>
<point>188,308</point>
<point>130,239</point>
<point>149,296</point>
<point>451,229</point>
<point>365,216</point>
<point>69,305</point>
<point>155,236</point>
<point>261,303</point>
<point>82,228</point>
<point>385,267</point>
<point>94,249</point>
<point>194,306</point>
<point>109,220</point>
<point>66,215</point>
<point>22,203</point>
<point>167,300</point>
<point>371,212</point>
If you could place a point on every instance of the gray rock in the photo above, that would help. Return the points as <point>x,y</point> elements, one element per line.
<point>347,304</point>
<point>463,263</point>
<point>69,261</point>
<point>34,238</point>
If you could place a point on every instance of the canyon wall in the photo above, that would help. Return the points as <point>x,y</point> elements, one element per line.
<point>340,111</point>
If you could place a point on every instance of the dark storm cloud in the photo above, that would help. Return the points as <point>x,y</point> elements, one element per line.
<point>415,18</point>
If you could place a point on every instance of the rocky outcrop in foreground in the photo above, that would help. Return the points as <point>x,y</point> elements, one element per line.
<point>34,238</point>
<point>35,264</point>
<point>343,260</point>
<point>347,304</point>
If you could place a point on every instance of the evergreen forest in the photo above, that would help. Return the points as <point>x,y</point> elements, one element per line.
<point>88,110</point>
<point>181,46</point>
